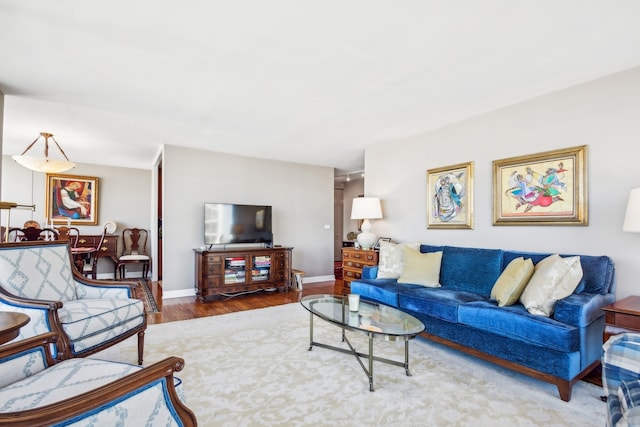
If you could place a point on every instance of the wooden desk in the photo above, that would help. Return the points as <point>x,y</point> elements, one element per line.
<point>10,324</point>
<point>622,316</point>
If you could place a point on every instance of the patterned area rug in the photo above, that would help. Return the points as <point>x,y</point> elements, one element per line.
<point>253,368</point>
<point>148,300</point>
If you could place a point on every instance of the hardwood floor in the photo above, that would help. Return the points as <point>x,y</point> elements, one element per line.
<point>187,308</point>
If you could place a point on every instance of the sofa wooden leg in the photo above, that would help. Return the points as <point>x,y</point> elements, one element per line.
<point>564,389</point>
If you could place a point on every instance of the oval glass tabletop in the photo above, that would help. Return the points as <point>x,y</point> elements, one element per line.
<point>370,316</point>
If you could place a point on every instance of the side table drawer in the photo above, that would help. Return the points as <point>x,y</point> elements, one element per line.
<point>623,320</point>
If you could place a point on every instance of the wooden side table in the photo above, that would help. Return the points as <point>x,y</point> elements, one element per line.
<point>353,261</point>
<point>10,324</point>
<point>622,316</point>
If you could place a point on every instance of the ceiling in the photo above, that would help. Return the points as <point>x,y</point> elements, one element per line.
<point>311,82</point>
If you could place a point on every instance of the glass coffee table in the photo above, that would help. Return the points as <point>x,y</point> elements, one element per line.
<point>373,319</point>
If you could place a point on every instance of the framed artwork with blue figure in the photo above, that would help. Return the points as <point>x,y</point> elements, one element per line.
<point>71,199</point>
<point>548,188</point>
<point>450,196</point>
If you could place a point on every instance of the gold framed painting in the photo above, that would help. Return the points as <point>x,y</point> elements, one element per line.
<point>450,196</point>
<point>548,188</point>
<point>71,199</point>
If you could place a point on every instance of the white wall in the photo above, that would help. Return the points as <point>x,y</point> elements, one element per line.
<point>603,114</point>
<point>301,196</point>
<point>124,196</point>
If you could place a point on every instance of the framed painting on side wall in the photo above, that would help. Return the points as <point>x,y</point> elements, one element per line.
<point>71,199</point>
<point>548,188</point>
<point>450,196</point>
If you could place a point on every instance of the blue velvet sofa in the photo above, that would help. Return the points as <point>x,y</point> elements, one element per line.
<point>560,349</point>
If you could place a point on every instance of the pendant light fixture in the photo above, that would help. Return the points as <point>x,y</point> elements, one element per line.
<point>44,164</point>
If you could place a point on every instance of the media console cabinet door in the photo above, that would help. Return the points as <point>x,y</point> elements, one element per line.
<point>221,272</point>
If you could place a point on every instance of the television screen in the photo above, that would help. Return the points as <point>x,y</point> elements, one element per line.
<point>231,223</point>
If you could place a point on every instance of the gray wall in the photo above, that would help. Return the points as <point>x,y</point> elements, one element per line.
<point>301,196</point>
<point>602,114</point>
<point>124,196</point>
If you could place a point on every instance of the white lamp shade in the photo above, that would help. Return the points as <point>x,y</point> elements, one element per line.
<point>632,217</point>
<point>44,164</point>
<point>366,208</point>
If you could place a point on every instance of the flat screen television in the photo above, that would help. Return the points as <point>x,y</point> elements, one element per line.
<point>227,223</point>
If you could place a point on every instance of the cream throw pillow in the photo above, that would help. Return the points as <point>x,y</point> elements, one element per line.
<point>553,278</point>
<point>421,269</point>
<point>390,259</point>
<point>512,281</point>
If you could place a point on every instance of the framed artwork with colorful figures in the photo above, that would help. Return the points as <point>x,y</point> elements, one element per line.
<point>450,196</point>
<point>548,188</point>
<point>71,199</point>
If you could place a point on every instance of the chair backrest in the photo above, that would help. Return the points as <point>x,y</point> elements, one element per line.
<point>38,270</point>
<point>68,233</point>
<point>31,234</point>
<point>134,241</point>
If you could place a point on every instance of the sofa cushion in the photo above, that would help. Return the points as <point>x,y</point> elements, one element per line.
<point>441,303</point>
<point>420,268</point>
<point>91,322</point>
<point>381,290</point>
<point>554,278</point>
<point>390,259</point>
<point>470,269</point>
<point>516,323</point>
<point>512,280</point>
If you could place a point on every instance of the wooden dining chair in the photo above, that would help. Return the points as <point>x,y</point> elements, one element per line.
<point>72,234</point>
<point>32,234</point>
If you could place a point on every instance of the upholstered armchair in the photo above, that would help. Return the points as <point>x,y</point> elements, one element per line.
<point>621,379</point>
<point>40,280</point>
<point>35,390</point>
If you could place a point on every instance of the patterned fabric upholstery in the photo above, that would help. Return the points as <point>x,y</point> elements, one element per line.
<point>105,318</point>
<point>146,406</point>
<point>41,272</point>
<point>91,315</point>
<point>620,375</point>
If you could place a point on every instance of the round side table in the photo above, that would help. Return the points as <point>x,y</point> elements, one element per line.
<point>10,324</point>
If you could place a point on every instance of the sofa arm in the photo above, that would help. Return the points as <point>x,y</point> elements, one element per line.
<point>581,309</point>
<point>370,272</point>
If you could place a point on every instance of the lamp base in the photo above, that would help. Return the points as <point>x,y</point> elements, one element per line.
<point>366,240</point>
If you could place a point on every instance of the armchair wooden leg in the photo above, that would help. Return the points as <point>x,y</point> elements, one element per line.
<point>140,346</point>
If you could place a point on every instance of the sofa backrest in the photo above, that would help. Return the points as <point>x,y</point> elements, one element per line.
<point>468,269</point>
<point>597,271</point>
<point>37,270</point>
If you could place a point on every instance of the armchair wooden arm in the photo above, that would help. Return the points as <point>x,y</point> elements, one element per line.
<point>91,402</point>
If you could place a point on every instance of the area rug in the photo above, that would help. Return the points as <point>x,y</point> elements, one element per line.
<point>150,304</point>
<point>253,368</point>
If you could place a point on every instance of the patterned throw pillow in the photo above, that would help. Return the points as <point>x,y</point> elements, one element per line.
<point>553,278</point>
<point>390,259</point>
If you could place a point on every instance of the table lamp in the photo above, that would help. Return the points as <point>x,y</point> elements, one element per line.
<point>632,216</point>
<point>366,208</point>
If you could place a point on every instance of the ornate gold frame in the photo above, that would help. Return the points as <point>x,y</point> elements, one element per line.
<point>89,196</point>
<point>450,205</point>
<point>548,188</point>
